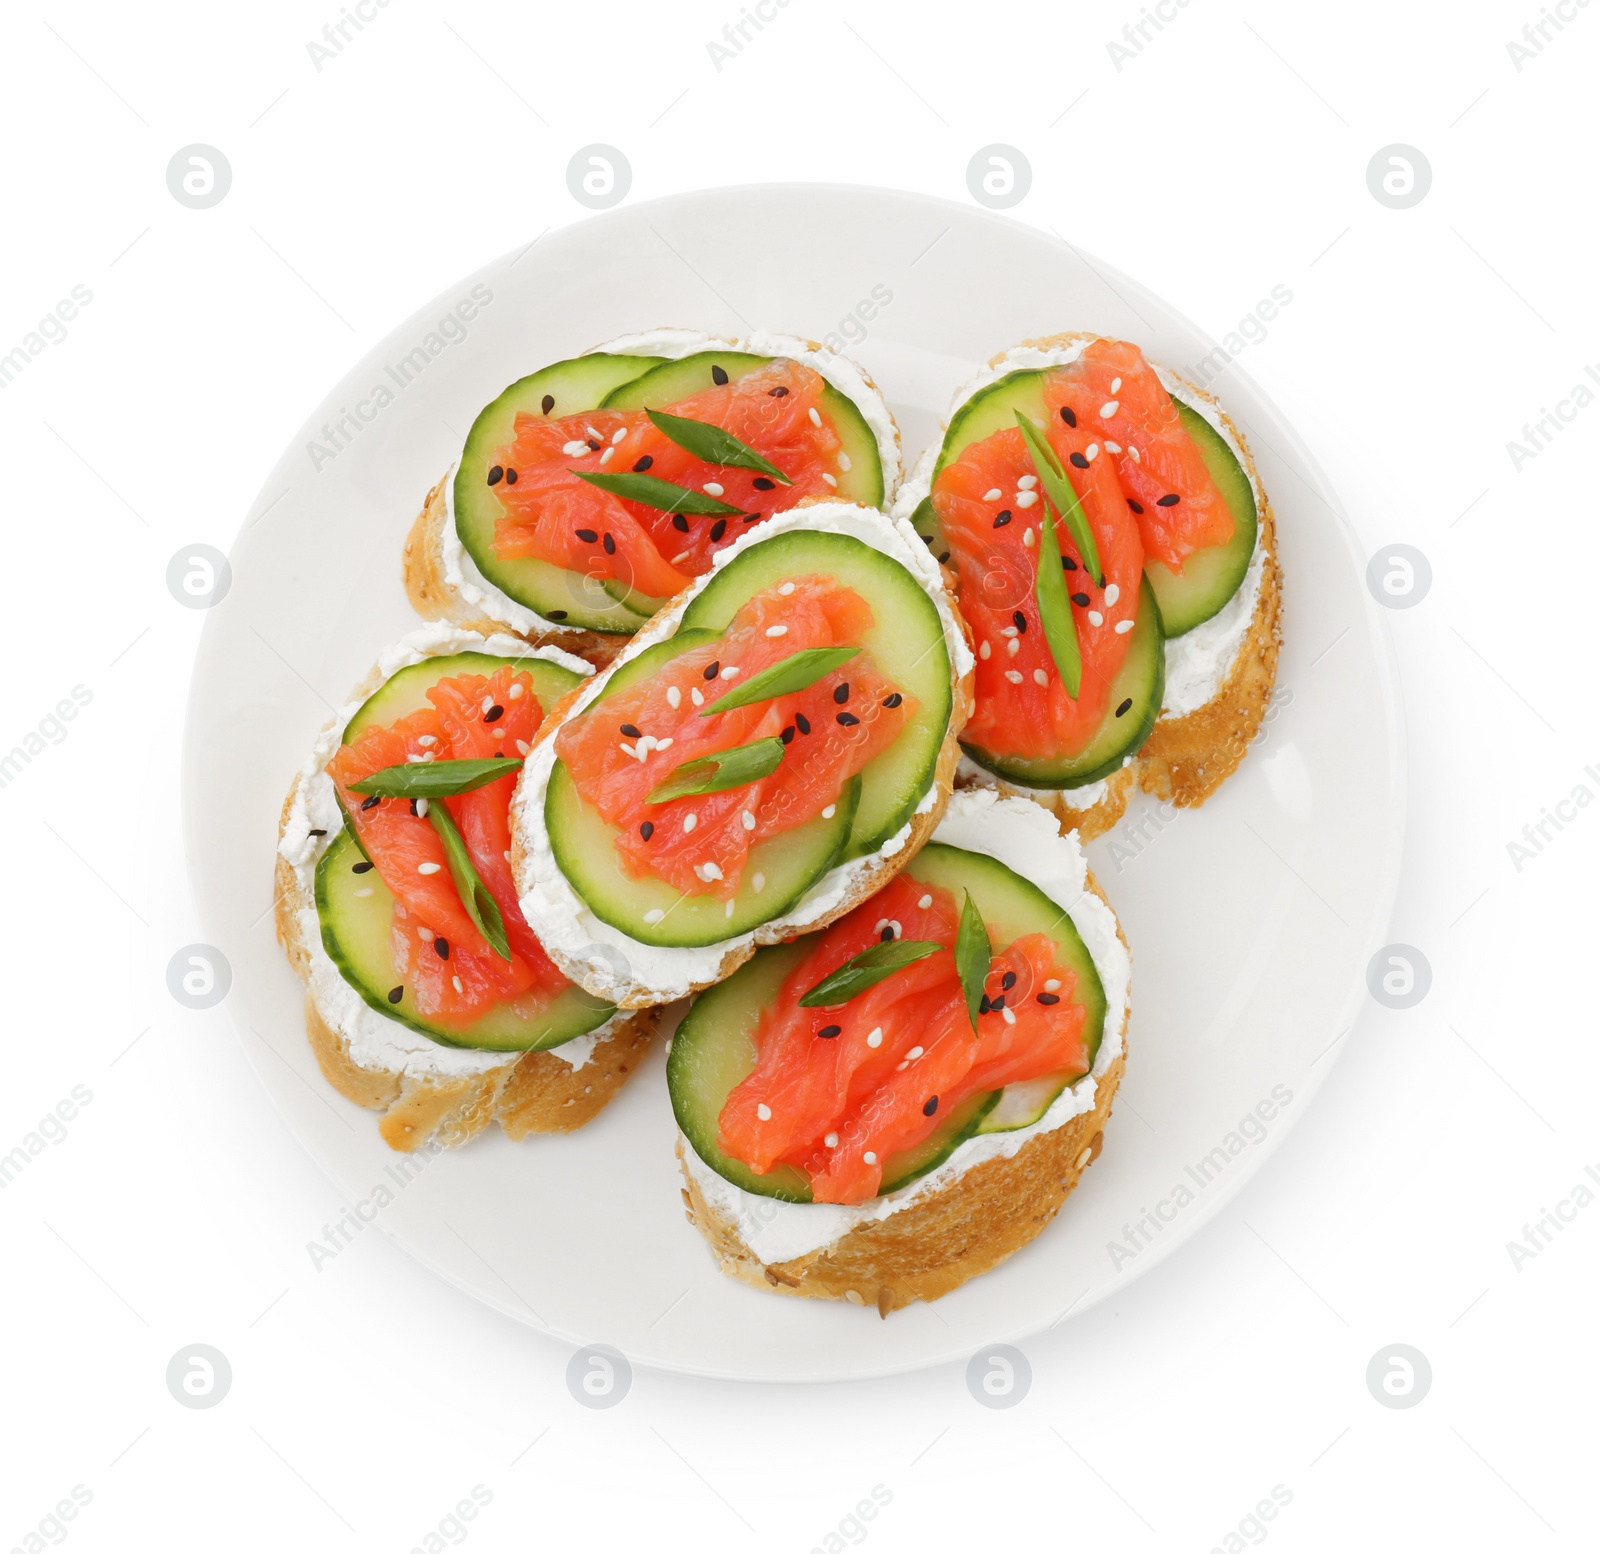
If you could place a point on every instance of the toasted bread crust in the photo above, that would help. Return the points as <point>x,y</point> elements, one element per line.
<point>1093,821</point>
<point>945,1237</point>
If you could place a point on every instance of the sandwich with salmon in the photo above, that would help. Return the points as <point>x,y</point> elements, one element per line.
<point>429,999</point>
<point>1113,553</point>
<point>593,491</point>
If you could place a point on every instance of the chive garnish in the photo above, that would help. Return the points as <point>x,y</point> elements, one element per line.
<point>480,905</point>
<point>1059,490</point>
<point>783,678</point>
<point>1055,609</point>
<point>712,444</point>
<point>658,493</point>
<point>972,956</point>
<point>716,773</point>
<point>868,969</point>
<point>434,779</point>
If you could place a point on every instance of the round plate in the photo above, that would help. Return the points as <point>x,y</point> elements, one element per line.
<point>1251,921</point>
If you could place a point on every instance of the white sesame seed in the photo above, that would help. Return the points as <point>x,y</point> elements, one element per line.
<point>506,855</point>
<point>708,872</point>
<point>1008,631</point>
<point>1014,676</point>
<point>1113,593</point>
<point>993,494</point>
<point>902,1065</point>
<point>758,883</point>
<point>1108,409</point>
<point>690,821</point>
<point>425,934</point>
<point>984,650</point>
<point>522,747</point>
<point>627,749</point>
<point>429,868</point>
<point>829,812</point>
<point>730,672</point>
<point>1040,677</point>
<point>786,589</point>
<point>1013,647</point>
<point>515,693</point>
<point>682,555</point>
<point>575,448</point>
<point>422,809</point>
<point>712,488</point>
<point>869,1157</point>
<point>429,739</point>
<point>1027,537</point>
<point>831,1140</point>
<point>880,925</point>
<point>777,631</point>
<point>816,420</point>
<point>647,742</point>
<point>411,760</point>
<point>619,434</point>
<point>696,697</point>
<point>484,705</point>
<point>747,820</point>
<point>1054,984</point>
<point>925,903</point>
<point>1092,452</point>
<point>764,1112</point>
<point>674,697</point>
<point>664,744</point>
<point>1027,498</point>
<point>607,454</point>
<point>1113,447</point>
<point>1008,1017</point>
<point>1116,385</point>
<point>894,926</point>
<point>1122,628</point>
<point>913,1054</point>
<point>1096,618</point>
<point>366,892</point>
<point>831,481</point>
<point>1133,453</point>
<point>455,982</point>
<point>592,432</point>
<point>1027,482</point>
<point>875,1036</point>
<point>727,910</point>
<point>654,915</point>
<point>844,462</point>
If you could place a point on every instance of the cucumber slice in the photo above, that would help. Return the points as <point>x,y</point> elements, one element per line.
<point>1210,577</point>
<point>406,691</point>
<point>1140,685</point>
<point>355,933</point>
<point>714,1049</point>
<point>556,593</point>
<point>672,381</point>
<point>715,1046</point>
<point>906,642</point>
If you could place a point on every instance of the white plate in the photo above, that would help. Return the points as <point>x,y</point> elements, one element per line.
<point>1251,921</point>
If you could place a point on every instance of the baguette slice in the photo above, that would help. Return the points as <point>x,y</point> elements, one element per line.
<point>1198,742</point>
<point>610,964</point>
<point>443,584</point>
<point>982,1205</point>
<point>428,1093</point>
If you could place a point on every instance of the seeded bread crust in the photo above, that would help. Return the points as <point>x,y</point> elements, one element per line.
<point>635,994</point>
<point>433,597</point>
<point>941,1240</point>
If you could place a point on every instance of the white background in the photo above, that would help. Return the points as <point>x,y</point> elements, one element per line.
<point>1228,156</point>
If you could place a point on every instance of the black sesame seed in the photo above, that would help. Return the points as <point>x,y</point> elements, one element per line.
<point>414,810</point>
<point>712,670</point>
<point>828,1032</point>
<point>396,994</point>
<point>1102,582</point>
<point>719,376</point>
<point>1068,415</point>
<point>841,692</point>
<point>680,523</point>
<point>316,833</point>
<point>1002,518</point>
<point>886,935</point>
<point>1049,998</point>
<point>1125,706</point>
<point>1077,461</point>
<point>778,392</point>
<point>944,556</point>
<point>893,699</point>
<point>1020,621</point>
<point>548,403</point>
<point>647,829</point>
<point>930,1106</point>
<point>360,868</point>
<point>494,713</point>
<point>761,483</point>
<point>630,731</point>
<point>1136,507</point>
<point>371,803</point>
<point>1069,563</point>
<point>591,444</point>
<point>1081,600</point>
<point>802,723</point>
<point>640,465</point>
<point>984,1006</point>
<point>588,536</point>
<point>441,948</point>
<point>511,477</point>
<point>787,736</point>
<point>1009,981</point>
<point>718,529</point>
<point>610,545</point>
<point>496,475</point>
<point>998,1001</point>
<point>1171,499</point>
<point>846,719</point>
<point>751,517</point>
<point>555,615</point>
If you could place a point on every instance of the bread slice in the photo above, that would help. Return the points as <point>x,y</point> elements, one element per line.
<point>441,582</point>
<point>607,962</point>
<point>944,1236</point>
<point>428,1093</point>
<point>1191,752</point>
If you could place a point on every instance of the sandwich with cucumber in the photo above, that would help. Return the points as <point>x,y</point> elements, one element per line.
<point>1114,555</point>
<point>878,1111</point>
<point>593,491</point>
<point>766,752</point>
<point>428,997</point>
